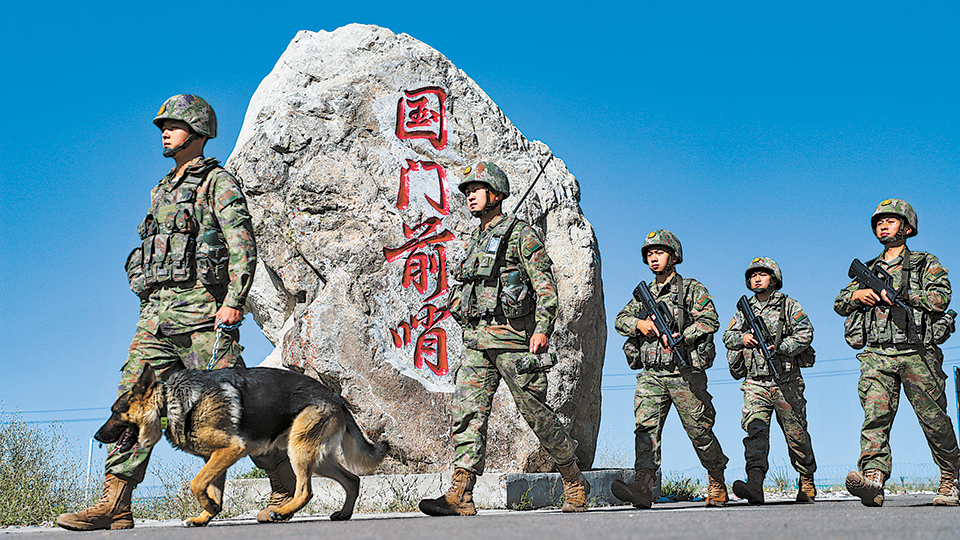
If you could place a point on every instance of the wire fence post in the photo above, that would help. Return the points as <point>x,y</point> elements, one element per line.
<point>956,387</point>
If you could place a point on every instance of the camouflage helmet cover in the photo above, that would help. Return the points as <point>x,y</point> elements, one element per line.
<point>663,238</point>
<point>897,208</point>
<point>488,173</point>
<point>194,110</point>
<point>768,264</point>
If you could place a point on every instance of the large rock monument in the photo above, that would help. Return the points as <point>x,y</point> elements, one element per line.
<point>349,154</point>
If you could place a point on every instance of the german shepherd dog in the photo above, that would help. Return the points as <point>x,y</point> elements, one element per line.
<point>227,414</point>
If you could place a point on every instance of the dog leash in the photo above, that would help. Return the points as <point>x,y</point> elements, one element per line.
<point>216,344</point>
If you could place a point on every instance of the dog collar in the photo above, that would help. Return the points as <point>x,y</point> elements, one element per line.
<point>163,408</point>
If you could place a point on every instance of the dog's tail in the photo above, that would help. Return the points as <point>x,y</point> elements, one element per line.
<point>361,456</point>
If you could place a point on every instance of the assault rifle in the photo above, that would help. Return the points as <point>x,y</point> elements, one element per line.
<point>663,319</point>
<point>877,279</point>
<point>760,332</point>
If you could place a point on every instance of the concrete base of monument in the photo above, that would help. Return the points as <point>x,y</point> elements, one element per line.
<point>399,493</point>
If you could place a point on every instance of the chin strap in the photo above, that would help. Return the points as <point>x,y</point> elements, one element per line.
<point>170,152</point>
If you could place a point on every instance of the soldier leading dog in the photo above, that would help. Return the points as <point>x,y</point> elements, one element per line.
<point>225,415</point>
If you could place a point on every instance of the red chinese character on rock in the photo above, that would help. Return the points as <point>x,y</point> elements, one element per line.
<point>422,115</point>
<point>432,342</point>
<point>403,196</point>
<point>420,265</point>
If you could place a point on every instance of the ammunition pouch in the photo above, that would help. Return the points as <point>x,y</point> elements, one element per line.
<point>516,299</point>
<point>855,329</point>
<point>735,360</point>
<point>703,353</point>
<point>939,327</point>
<point>134,268</point>
<point>631,348</point>
<point>213,260</point>
<point>806,358</point>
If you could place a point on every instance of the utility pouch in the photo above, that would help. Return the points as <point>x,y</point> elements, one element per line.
<point>488,259</point>
<point>941,326</point>
<point>515,298</point>
<point>702,356</point>
<point>855,329</point>
<point>806,358</point>
<point>213,259</point>
<point>134,268</point>
<point>531,363</point>
<point>738,366</point>
<point>631,348</point>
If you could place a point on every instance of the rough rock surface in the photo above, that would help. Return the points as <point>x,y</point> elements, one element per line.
<point>323,158</point>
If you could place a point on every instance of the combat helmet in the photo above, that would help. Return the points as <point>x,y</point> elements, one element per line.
<point>194,110</point>
<point>663,238</point>
<point>897,208</point>
<point>768,264</point>
<point>486,172</point>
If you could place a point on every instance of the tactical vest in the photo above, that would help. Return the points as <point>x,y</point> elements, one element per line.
<point>756,365</point>
<point>490,288</point>
<point>895,325</point>
<point>169,253</point>
<point>700,354</point>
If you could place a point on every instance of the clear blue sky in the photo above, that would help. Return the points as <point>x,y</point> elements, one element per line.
<point>756,129</point>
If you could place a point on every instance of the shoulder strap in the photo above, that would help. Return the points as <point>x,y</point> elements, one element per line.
<point>682,297</point>
<point>783,319</point>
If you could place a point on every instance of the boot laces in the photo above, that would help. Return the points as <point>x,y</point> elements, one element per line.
<point>948,483</point>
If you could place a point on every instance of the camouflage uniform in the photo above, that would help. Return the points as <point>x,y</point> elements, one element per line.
<point>662,382</point>
<point>900,350</point>
<point>496,346</point>
<point>762,395</point>
<point>177,317</point>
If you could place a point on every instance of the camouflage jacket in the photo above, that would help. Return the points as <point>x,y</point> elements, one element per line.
<point>699,318</point>
<point>890,330</point>
<point>796,335</point>
<point>176,308</point>
<point>501,305</point>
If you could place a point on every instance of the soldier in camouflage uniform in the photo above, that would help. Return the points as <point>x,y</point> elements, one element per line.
<point>193,273</point>
<point>507,304</point>
<point>663,382</point>
<point>792,333</point>
<point>901,348</point>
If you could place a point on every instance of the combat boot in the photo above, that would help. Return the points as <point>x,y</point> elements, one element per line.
<point>112,511</point>
<point>458,501</point>
<point>752,489</point>
<point>716,489</point>
<point>283,483</point>
<point>867,485</point>
<point>948,493</point>
<point>575,488</point>
<point>808,490</point>
<point>639,493</point>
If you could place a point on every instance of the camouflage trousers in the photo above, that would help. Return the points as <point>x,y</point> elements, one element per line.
<point>923,382</point>
<point>477,380</point>
<point>687,390</point>
<point>760,401</point>
<point>194,350</point>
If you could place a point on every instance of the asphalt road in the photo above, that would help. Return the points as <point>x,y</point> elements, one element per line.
<point>902,517</point>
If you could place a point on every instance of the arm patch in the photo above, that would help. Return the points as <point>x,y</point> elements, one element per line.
<point>228,197</point>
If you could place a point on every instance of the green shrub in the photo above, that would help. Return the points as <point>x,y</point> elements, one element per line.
<point>39,477</point>
<point>678,487</point>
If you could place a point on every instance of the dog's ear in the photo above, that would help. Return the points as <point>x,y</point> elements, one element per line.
<point>146,381</point>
